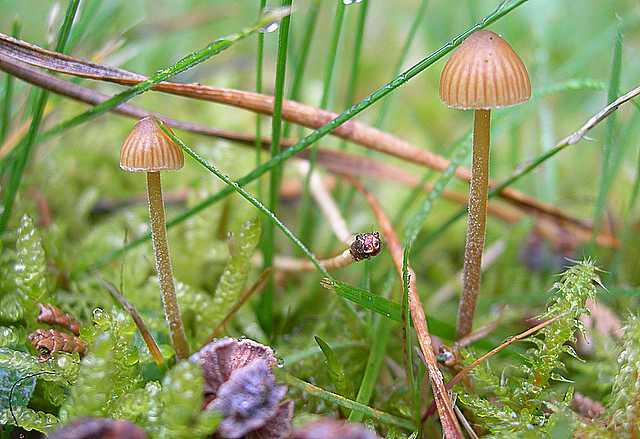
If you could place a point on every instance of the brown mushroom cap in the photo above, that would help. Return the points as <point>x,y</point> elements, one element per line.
<point>148,149</point>
<point>484,73</point>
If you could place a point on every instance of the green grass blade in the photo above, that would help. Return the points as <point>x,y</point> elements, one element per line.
<point>247,196</point>
<point>259,64</point>
<point>416,222</point>
<point>335,368</point>
<point>626,137</point>
<point>318,392</point>
<point>408,337</point>
<point>306,219</point>
<point>503,9</point>
<point>607,174</point>
<point>85,21</point>
<point>357,54</point>
<point>349,99</point>
<point>20,164</point>
<point>184,64</point>
<point>633,199</point>
<point>380,338</point>
<point>578,84</point>
<point>374,365</point>
<point>303,354</point>
<point>516,176</point>
<point>301,64</point>
<point>265,304</point>
<point>346,200</point>
<point>420,14</point>
<point>384,307</point>
<point>365,299</point>
<point>8,92</point>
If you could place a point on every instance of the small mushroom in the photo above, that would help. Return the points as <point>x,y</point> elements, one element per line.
<point>240,384</point>
<point>482,74</point>
<point>148,149</point>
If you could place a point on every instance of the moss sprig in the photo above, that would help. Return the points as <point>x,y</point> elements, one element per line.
<point>624,405</point>
<point>522,398</point>
<point>242,245</point>
<point>31,263</point>
<point>110,370</point>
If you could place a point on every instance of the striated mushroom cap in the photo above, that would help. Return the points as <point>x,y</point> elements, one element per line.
<point>221,357</point>
<point>148,149</point>
<point>240,384</point>
<point>484,73</point>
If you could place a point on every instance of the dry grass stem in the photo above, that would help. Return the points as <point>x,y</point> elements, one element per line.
<point>14,51</point>
<point>441,396</point>
<point>154,350</point>
<point>334,161</point>
<point>326,203</point>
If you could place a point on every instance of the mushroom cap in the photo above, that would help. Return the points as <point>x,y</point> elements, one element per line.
<point>484,73</point>
<point>148,149</point>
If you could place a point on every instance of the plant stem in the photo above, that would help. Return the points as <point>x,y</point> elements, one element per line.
<point>306,224</point>
<point>265,306</point>
<point>40,101</point>
<point>476,223</point>
<point>163,266</point>
<point>334,124</point>
<point>259,61</point>
<point>8,92</point>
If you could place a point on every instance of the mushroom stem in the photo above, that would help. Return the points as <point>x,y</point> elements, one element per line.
<point>163,266</point>
<point>476,222</point>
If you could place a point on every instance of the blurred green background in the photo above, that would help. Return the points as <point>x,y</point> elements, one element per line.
<point>568,48</point>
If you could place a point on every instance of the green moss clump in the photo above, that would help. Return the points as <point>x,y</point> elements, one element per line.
<point>521,401</point>
<point>29,419</point>
<point>624,405</point>
<point>31,264</point>
<point>242,244</point>
<point>181,401</point>
<point>109,371</point>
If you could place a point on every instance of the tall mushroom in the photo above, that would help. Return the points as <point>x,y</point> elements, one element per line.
<point>483,73</point>
<point>148,149</point>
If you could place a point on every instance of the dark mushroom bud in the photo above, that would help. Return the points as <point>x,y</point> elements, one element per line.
<point>333,429</point>
<point>99,428</point>
<point>482,74</point>
<point>240,384</point>
<point>148,149</point>
<point>365,245</point>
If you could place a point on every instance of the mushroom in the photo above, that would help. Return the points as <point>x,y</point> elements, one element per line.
<point>240,384</point>
<point>148,149</point>
<point>483,73</point>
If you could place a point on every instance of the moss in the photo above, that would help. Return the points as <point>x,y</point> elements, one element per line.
<point>520,397</point>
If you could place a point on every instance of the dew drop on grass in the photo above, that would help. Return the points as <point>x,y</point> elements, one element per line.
<point>351,2</point>
<point>271,27</point>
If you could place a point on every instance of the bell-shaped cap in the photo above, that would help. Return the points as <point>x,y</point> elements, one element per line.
<point>484,73</point>
<point>148,149</point>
